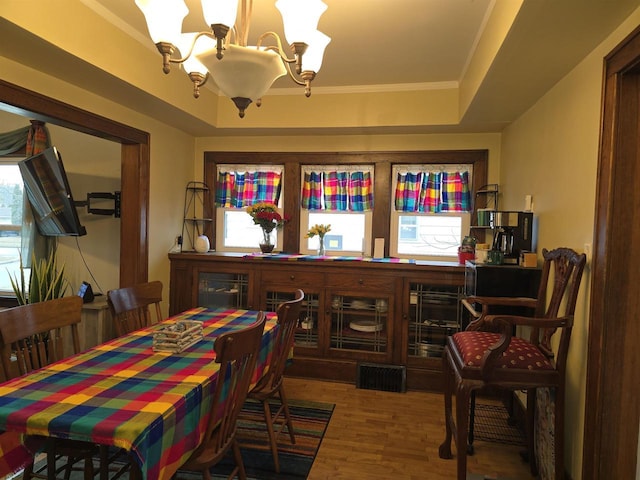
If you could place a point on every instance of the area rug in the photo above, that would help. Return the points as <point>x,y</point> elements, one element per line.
<point>310,421</point>
<point>492,425</point>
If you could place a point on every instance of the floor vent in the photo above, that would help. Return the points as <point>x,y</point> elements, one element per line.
<point>389,378</point>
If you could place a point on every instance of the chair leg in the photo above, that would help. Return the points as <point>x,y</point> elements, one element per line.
<point>242,475</point>
<point>272,436</point>
<point>559,432</point>
<point>462,425</point>
<point>531,416</point>
<point>287,415</point>
<point>445,448</point>
<point>472,417</point>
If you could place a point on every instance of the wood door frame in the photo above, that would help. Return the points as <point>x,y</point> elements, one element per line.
<point>612,412</point>
<point>135,160</point>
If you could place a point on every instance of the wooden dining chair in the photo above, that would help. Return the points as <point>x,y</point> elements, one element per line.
<point>130,306</point>
<point>271,386</point>
<point>32,338</point>
<point>488,353</point>
<point>236,352</point>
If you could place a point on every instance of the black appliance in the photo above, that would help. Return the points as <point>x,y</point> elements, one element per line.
<point>513,233</point>
<point>502,281</point>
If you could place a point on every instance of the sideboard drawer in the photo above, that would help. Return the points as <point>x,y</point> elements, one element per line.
<point>362,282</point>
<point>296,279</point>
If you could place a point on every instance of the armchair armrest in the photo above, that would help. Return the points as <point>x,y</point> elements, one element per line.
<point>487,302</point>
<point>505,324</point>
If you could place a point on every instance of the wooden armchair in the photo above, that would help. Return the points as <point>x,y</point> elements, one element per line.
<point>271,386</point>
<point>488,354</point>
<point>32,338</point>
<point>236,352</point>
<point>130,306</point>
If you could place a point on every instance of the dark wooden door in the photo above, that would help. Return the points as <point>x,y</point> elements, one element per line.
<point>612,413</point>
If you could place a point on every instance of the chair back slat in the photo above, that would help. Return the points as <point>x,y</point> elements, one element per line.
<point>560,282</point>
<point>131,307</point>
<point>236,352</point>
<point>288,317</point>
<point>33,334</point>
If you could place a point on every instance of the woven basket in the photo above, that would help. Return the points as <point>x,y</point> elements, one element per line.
<point>177,337</point>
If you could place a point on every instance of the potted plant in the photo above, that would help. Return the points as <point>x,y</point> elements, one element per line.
<point>47,281</point>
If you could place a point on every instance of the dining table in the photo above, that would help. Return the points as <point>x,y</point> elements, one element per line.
<point>154,405</point>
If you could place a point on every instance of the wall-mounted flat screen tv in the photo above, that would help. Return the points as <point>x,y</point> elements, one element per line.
<point>48,191</point>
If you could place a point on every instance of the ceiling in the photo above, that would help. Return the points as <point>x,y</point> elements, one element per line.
<point>381,46</point>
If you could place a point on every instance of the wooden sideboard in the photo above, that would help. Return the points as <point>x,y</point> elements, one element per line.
<point>354,311</point>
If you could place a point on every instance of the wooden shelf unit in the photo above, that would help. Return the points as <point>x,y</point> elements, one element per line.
<point>397,298</point>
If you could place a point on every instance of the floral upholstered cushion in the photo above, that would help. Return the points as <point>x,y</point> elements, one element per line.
<point>520,353</point>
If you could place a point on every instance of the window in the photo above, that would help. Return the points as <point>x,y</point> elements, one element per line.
<point>431,210</point>
<point>11,210</point>
<point>237,187</point>
<point>341,196</point>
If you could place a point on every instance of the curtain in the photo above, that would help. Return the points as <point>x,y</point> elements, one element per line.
<point>241,189</point>
<point>432,192</point>
<point>337,191</point>
<point>13,141</point>
<point>312,191</point>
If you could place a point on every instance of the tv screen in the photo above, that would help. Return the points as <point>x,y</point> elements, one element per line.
<point>48,191</point>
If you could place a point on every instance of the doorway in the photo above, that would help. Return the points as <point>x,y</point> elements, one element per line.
<point>612,411</point>
<point>134,251</point>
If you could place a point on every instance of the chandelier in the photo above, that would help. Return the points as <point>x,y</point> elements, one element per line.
<point>241,72</point>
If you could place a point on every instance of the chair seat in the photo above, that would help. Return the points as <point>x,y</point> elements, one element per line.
<point>520,354</point>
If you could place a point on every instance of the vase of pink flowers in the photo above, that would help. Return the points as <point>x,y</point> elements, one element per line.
<point>267,217</point>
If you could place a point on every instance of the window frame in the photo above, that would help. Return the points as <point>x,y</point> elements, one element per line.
<point>465,229</point>
<point>14,159</point>
<point>383,161</point>
<point>367,215</point>
<point>219,218</point>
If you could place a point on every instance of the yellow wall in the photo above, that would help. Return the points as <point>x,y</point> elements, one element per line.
<point>172,153</point>
<point>551,153</point>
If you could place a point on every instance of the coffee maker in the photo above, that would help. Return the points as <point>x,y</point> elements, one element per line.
<point>512,234</point>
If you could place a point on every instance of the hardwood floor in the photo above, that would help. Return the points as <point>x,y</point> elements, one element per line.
<point>381,435</point>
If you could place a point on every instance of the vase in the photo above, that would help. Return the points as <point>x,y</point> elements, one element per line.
<point>201,244</point>
<point>266,246</point>
<point>321,246</point>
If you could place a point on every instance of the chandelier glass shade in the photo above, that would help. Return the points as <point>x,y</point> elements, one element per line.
<point>243,73</point>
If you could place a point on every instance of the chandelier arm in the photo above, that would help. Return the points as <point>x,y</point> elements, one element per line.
<point>277,48</point>
<point>292,76</point>
<point>168,49</point>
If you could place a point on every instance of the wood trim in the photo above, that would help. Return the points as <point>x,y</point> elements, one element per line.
<point>612,412</point>
<point>134,253</point>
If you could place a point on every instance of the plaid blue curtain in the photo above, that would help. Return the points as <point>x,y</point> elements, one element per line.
<point>337,191</point>
<point>241,189</point>
<point>432,192</point>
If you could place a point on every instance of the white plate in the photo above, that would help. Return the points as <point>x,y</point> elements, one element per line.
<point>360,305</point>
<point>365,326</point>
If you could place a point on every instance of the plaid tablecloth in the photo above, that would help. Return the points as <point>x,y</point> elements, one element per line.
<point>121,393</point>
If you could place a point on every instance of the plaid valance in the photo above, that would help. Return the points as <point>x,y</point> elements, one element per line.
<point>433,192</point>
<point>337,191</point>
<point>241,189</point>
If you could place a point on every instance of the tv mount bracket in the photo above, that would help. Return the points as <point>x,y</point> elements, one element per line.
<point>115,196</point>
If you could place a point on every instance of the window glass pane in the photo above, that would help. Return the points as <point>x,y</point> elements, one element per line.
<point>347,231</point>
<point>241,232</point>
<point>11,204</point>
<point>429,235</point>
